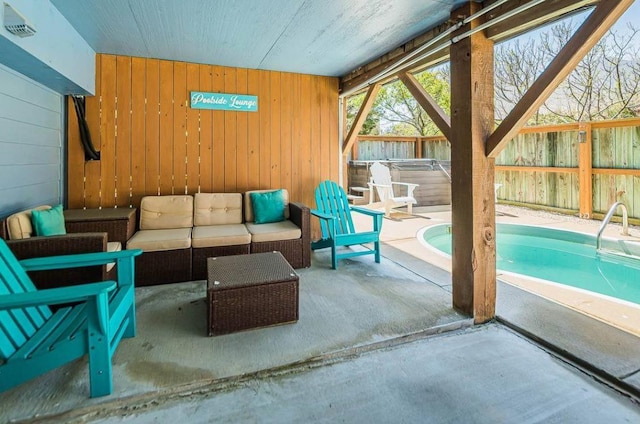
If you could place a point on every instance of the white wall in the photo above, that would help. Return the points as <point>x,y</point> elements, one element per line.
<point>31,143</point>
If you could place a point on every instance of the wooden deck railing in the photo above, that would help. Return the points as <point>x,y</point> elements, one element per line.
<point>582,167</point>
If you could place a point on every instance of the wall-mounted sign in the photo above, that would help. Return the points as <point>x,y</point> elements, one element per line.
<point>223,101</point>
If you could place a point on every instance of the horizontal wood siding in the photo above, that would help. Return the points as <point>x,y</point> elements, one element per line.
<point>31,152</point>
<point>153,143</point>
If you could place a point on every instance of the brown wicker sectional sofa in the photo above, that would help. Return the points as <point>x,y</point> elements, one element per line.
<point>178,233</point>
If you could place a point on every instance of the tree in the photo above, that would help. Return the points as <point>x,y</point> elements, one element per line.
<point>517,65</point>
<point>605,85</point>
<point>396,105</point>
<point>371,125</point>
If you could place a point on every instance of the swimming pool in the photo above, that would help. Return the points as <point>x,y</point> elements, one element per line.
<point>559,256</point>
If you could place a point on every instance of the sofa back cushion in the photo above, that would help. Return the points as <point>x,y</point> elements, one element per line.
<point>49,222</point>
<point>217,209</point>
<point>165,212</point>
<point>19,224</point>
<point>249,216</point>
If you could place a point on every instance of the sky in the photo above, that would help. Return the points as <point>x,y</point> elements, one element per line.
<point>632,15</point>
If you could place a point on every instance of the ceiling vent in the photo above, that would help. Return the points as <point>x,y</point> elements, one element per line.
<point>17,24</point>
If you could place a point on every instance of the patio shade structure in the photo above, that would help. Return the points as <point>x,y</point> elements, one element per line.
<point>357,46</point>
<point>474,141</point>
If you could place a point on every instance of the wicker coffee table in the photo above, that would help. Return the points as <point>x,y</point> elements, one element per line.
<point>250,291</point>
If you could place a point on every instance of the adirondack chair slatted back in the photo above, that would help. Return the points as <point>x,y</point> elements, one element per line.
<point>384,186</point>
<point>338,231</point>
<point>380,174</point>
<point>332,200</point>
<point>17,325</point>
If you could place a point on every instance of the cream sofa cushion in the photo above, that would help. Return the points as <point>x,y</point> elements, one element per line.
<point>113,246</point>
<point>220,235</point>
<point>156,240</point>
<point>275,231</point>
<point>248,208</point>
<point>217,209</point>
<point>19,224</point>
<point>164,212</point>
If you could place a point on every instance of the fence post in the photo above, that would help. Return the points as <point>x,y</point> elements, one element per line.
<point>418,148</point>
<point>585,174</point>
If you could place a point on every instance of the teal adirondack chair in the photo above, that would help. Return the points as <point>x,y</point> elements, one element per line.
<point>334,212</point>
<point>34,339</point>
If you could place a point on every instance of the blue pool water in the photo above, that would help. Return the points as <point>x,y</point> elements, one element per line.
<point>560,256</point>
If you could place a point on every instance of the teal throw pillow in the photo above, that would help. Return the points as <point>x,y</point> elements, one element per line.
<point>49,222</point>
<point>268,206</point>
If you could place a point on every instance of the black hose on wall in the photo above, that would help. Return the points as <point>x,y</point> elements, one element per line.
<point>90,153</point>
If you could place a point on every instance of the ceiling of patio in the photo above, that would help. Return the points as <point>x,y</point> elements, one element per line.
<point>321,37</point>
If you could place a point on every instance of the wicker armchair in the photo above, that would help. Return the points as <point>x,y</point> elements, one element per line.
<point>67,244</point>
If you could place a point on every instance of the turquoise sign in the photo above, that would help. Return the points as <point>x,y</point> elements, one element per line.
<point>223,101</point>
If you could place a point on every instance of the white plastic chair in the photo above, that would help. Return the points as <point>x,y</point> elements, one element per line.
<point>381,181</point>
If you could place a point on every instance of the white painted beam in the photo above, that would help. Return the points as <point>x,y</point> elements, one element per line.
<point>56,56</point>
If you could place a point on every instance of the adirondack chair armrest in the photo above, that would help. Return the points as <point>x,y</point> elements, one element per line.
<point>78,260</point>
<point>366,211</point>
<point>406,184</point>
<point>55,296</point>
<point>322,215</point>
<point>370,184</point>
<point>384,190</point>
<point>410,187</point>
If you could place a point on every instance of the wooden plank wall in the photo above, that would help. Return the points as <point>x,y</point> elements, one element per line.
<point>153,143</point>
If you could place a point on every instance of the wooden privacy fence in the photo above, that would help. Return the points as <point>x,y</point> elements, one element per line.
<point>581,167</point>
<point>374,147</point>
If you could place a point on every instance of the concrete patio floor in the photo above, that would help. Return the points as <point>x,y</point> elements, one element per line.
<point>368,344</point>
<point>485,374</point>
<point>363,305</point>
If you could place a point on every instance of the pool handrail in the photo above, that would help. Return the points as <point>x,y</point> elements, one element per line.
<point>607,218</point>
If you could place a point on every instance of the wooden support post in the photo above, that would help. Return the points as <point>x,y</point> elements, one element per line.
<point>585,165</point>
<point>472,184</point>
<point>418,148</point>
<point>343,157</point>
